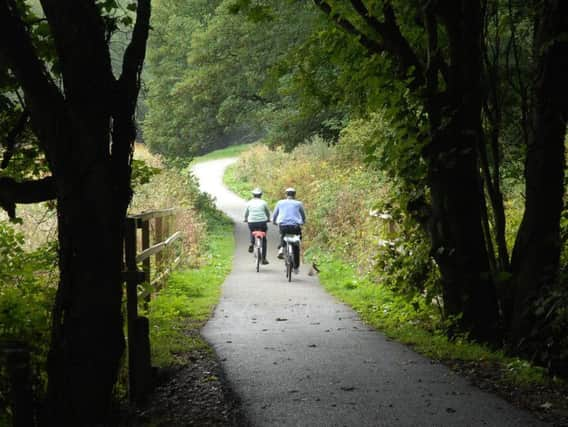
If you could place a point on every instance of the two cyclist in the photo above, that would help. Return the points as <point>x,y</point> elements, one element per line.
<point>257,215</point>
<point>289,215</point>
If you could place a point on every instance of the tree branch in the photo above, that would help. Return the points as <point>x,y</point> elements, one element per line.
<point>12,192</point>
<point>392,41</point>
<point>127,89</point>
<point>372,46</point>
<point>134,54</point>
<point>17,50</point>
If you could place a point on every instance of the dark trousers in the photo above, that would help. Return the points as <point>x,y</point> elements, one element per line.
<point>291,229</point>
<point>258,226</point>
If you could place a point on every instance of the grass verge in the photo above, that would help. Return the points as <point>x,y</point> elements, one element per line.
<point>241,188</point>
<point>180,310</point>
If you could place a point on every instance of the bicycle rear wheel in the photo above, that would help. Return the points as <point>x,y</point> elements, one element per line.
<point>258,253</point>
<point>289,262</point>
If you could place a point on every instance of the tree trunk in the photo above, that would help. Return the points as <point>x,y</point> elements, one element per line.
<point>88,342</point>
<point>536,254</point>
<point>458,244</point>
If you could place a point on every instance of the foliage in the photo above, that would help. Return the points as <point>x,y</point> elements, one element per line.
<point>142,172</point>
<point>224,83</point>
<point>27,290</point>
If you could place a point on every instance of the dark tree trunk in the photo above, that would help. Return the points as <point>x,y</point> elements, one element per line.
<point>88,342</point>
<point>536,254</point>
<point>458,243</point>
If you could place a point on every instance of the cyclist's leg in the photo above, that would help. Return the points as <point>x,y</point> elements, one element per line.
<point>264,247</point>
<point>251,226</point>
<point>298,231</point>
<point>282,229</point>
<point>264,228</point>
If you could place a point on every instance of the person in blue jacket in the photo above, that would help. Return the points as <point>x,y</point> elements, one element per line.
<point>289,215</point>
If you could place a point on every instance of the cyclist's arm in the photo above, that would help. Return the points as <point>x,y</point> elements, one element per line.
<point>302,213</point>
<point>246,214</point>
<point>267,211</point>
<point>275,213</point>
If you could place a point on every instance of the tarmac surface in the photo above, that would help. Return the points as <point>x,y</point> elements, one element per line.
<point>296,356</point>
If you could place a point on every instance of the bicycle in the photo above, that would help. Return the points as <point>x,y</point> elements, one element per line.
<point>259,236</point>
<point>291,248</point>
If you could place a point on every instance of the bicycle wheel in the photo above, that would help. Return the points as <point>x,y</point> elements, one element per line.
<point>258,253</point>
<point>289,262</point>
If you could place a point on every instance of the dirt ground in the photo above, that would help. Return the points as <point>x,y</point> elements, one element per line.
<point>195,394</point>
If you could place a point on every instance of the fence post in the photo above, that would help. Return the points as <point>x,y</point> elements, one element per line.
<point>158,237</point>
<point>145,225</point>
<point>131,302</point>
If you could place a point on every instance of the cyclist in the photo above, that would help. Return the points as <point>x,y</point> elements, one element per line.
<point>289,215</point>
<point>257,215</point>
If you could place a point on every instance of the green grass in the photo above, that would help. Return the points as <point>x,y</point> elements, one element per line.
<point>240,187</point>
<point>187,301</point>
<point>232,151</point>
<point>399,319</point>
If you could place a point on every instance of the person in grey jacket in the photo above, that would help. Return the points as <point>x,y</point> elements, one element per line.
<point>257,215</point>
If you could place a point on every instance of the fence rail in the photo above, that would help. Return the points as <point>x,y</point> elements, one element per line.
<point>140,285</point>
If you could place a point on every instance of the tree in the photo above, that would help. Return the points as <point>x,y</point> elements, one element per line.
<point>445,59</point>
<point>84,125</point>
<point>536,255</point>
<point>223,85</point>
<point>442,70</point>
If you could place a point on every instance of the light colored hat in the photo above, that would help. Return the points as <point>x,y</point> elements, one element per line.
<point>290,190</point>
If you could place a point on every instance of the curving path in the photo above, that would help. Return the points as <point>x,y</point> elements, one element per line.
<point>296,356</point>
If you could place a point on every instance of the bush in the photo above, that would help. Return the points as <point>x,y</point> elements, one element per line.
<point>27,290</point>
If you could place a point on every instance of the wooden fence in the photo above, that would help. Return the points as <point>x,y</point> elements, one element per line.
<point>154,240</point>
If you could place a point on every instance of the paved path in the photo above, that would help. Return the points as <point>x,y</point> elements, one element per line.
<point>298,357</point>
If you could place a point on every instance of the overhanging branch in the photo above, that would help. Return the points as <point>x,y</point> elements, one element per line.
<point>393,40</point>
<point>372,46</point>
<point>13,192</point>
